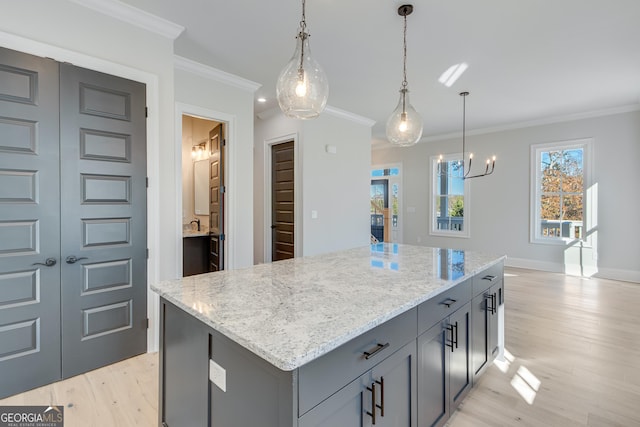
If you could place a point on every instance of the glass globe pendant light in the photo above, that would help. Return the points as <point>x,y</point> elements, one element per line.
<point>404,126</point>
<point>302,87</point>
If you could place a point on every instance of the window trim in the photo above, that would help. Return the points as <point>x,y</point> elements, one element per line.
<point>535,178</point>
<point>433,220</point>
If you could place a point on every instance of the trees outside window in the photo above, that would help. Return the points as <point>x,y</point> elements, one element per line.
<point>559,193</point>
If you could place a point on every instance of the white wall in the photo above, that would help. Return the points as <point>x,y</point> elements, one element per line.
<point>500,205</point>
<point>336,186</point>
<point>233,105</point>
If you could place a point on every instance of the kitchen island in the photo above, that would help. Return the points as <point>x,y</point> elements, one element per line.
<point>381,335</point>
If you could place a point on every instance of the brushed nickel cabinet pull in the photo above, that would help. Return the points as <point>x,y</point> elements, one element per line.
<point>378,349</point>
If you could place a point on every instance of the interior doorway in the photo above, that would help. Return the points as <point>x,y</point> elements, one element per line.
<point>282,201</point>
<point>386,204</point>
<point>203,195</point>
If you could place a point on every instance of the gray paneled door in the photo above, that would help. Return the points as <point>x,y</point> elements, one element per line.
<point>103,193</point>
<point>29,222</point>
<point>72,220</point>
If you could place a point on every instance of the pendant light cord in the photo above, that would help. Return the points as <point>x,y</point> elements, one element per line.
<point>404,53</point>
<point>303,35</point>
<point>464,122</point>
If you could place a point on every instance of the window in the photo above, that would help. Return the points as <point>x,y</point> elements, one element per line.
<point>560,178</point>
<point>449,201</point>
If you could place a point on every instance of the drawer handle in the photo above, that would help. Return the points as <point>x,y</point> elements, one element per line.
<point>372,414</point>
<point>449,302</point>
<point>379,348</point>
<point>489,277</point>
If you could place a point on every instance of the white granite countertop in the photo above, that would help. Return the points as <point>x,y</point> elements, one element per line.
<point>292,312</point>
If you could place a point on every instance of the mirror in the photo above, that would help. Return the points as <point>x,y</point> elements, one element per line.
<point>201,187</point>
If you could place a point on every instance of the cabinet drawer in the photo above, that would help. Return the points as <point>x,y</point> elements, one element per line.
<point>442,305</point>
<point>320,378</point>
<point>489,277</point>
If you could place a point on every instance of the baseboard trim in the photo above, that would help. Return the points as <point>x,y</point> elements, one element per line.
<point>556,267</point>
<point>618,274</point>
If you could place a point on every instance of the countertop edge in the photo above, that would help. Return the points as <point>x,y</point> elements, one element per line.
<point>300,360</point>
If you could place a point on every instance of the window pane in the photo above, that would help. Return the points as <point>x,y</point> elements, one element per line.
<point>550,207</point>
<point>456,213</point>
<point>456,186</point>
<point>572,208</point>
<point>550,166</point>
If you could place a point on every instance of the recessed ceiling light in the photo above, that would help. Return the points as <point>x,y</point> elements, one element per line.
<point>449,77</point>
<point>262,99</point>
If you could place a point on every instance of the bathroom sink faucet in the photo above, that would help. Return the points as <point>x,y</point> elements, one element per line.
<point>197,221</point>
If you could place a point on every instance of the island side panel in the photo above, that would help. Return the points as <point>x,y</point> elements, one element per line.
<point>184,359</point>
<point>246,389</point>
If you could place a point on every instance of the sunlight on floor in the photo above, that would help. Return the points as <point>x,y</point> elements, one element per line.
<point>523,381</point>
<point>526,384</point>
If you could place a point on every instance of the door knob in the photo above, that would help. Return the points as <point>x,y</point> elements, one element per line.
<point>71,259</point>
<point>49,262</point>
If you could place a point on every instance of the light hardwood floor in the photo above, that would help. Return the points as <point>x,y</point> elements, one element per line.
<point>573,360</point>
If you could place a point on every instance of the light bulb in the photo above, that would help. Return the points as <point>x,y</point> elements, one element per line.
<point>403,123</point>
<point>301,88</point>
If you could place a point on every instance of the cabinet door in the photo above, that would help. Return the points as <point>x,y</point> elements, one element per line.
<point>485,327</point>
<point>480,315</point>
<point>346,408</point>
<point>497,293</point>
<point>433,385</point>
<point>396,388</point>
<point>459,366</point>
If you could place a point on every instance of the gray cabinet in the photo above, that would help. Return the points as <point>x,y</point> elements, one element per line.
<point>444,374</point>
<point>195,255</point>
<point>488,297</point>
<point>383,396</point>
<point>412,370</point>
<point>183,367</point>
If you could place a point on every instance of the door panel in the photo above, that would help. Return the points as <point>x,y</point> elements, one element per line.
<point>103,191</point>
<point>282,201</point>
<point>29,222</point>
<point>216,198</point>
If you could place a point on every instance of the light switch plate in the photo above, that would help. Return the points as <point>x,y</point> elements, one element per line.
<point>218,375</point>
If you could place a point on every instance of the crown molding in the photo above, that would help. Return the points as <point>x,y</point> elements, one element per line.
<point>208,72</point>
<point>377,144</point>
<point>331,111</point>
<point>134,16</point>
<point>538,122</point>
<point>336,112</point>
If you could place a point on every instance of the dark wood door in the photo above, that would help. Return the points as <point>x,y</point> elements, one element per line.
<point>282,201</point>
<point>103,169</point>
<point>216,198</point>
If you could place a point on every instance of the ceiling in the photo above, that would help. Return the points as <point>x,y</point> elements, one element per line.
<point>529,60</point>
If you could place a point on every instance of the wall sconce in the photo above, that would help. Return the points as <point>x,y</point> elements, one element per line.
<point>198,150</point>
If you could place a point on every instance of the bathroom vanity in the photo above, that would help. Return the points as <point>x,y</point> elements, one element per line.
<point>381,335</point>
